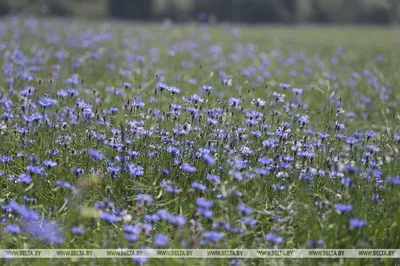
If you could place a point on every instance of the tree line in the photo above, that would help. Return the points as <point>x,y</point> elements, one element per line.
<point>247,11</point>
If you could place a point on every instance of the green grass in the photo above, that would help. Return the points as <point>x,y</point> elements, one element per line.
<point>292,209</point>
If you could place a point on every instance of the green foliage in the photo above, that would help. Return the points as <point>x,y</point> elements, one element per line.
<point>250,11</point>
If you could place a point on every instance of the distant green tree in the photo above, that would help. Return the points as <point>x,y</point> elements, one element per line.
<point>4,8</point>
<point>375,14</point>
<point>394,6</point>
<point>131,9</point>
<point>250,11</point>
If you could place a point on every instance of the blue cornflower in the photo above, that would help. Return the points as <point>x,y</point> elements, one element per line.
<point>188,168</point>
<point>213,236</point>
<point>78,171</point>
<point>25,178</point>
<point>274,238</point>
<point>28,199</point>
<point>248,221</point>
<point>113,170</point>
<point>95,155</point>
<point>131,238</point>
<point>144,198</point>
<point>63,184</point>
<point>351,169</point>
<point>357,223</point>
<point>208,159</point>
<point>78,230</point>
<point>243,208</point>
<point>234,101</point>
<point>370,134</point>
<point>140,260</point>
<point>323,135</point>
<point>346,181</point>
<point>45,230</point>
<point>13,228</point>
<point>198,186</point>
<point>178,220</point>
<point>207,88</point>
<point>173,190</point>
<point>5,159</point>
<point>39,170</point>
<point>262,171</point>
<point>45,102</point>
<point>136,171</point>
<point>161,240</point>
<point>137,102</point>
<point>343,207</point>
<point>131,229</point>
<point>297,91</point>
<point>204,203</point>
<point>212,177</point>
<point>109,217</point>
<point>285,85</point>
<point>266,161</point>
<point>303,120</point>
<point>235,262</point>
<point>22,210</point>
<point>204,207</point>
<point>49,163</point>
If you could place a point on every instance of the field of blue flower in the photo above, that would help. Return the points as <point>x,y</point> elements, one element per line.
<point>131,136</point>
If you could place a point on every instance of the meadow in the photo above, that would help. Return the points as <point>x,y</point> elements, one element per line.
<point>122,135</point>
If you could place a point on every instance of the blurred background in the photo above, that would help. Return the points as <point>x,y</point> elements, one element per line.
<point>382,12</point>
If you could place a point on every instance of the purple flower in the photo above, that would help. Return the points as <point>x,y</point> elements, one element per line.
<point>243,208</point>
<point>188,168</point>
<point>45,230</point>
<point>45,102</point>
<point>208,159</point>
<point>49,163</point>
<point>351,169</point>
<point>343,207</point>
<point>248,221</point>
<point>108,217</point>
<point>140,260</point>
<point>144,198</point>
<point>39,170</point>
<point>95,155</point>
<point>198,186</point>
<point>204,207</point>
<point>131,238</point>
<point>22,210</point>
<point>63,184</point>
<point>297,91</point>
<point>213,236</point>
<point>13,228</point>
<point>207,88</point>
<point>235,262</point>
<point>131,229</point>
<point>370,134</point>
<point>161,240</point>
<point>285,86</point>
<point>204,203</point>
<point>357,223</point>
<point>5,159</point>
<point>303,120</point>
<point>273,238</point>
<point>214,178</point>
<point>78,230</point>
<point>25,178</point>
